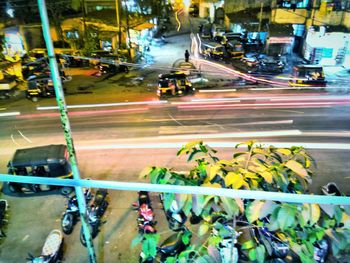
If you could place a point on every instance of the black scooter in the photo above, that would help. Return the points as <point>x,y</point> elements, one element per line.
<point>95,212</point>
<point>71,216</point>
<point>3,214</point>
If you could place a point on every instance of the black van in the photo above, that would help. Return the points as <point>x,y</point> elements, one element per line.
<point>43,161</point>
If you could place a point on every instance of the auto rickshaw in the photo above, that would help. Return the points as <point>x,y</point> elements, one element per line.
<point>42,161</point>
<point>308,75</point>
<point>213,50</point>
<point>174,84</point>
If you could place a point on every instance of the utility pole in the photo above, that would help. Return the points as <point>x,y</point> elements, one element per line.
<point>56,79</point>
<point>260,16</point>
<point>84,18</point>
<point>118,22</point>
<point>127,27</point>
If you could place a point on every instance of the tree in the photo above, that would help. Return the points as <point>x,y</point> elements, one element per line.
<point>288,170</point>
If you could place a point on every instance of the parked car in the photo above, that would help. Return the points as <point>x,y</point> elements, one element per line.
<point>42,161</point>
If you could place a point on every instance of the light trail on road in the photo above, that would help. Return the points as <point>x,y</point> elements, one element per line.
<point>153,102</point>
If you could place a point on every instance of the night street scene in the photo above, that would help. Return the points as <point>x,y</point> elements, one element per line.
<point>174,131</point>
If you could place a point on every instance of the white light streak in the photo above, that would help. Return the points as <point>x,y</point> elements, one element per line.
<point>7,114</point>
<point>155,102</point>
<point>216,90</point>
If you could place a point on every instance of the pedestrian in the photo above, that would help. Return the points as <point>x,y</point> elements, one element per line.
<point>187,55</point>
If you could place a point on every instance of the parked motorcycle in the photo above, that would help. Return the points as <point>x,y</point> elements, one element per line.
<point>3,214</point>
<point>175,216</point>
<point>71,216</point>
<point>52,251</point>
<point>145,219</point>
<point>95,211</point>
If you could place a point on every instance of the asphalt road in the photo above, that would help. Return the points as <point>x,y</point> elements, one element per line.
<point>117,142</point>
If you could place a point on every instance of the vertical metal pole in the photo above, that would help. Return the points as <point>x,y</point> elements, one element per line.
<point>260,17</point>
<point>66,127</point>
<point>118,23</point>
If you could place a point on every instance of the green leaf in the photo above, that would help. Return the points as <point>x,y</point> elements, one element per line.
<point>297,168</point>
<point>248,244</point>
<point>192,154</point>
<point>181,199</point>
<point>170,260</point>
<point>214,240</point>
<point>188,206</point>
<point>267,176</point>
<point>168,199</point>
<point>146,171</point>
<point>283,151</point>
<point>186,237</point>
<point>260,253</point>
<point>230,206</point>
<point>253,210</point>
<point>234,179</point>
<point>197,204</point>
<point>188,147</point>
<point>214,170</point>
<point>315,213</point>
<point>149,245</point>
<point>136,240</point>
<point>203,229</point>
<point>286,217</point>
<point>267,209</point>
<point>252,254</point>
<point>305,215</point>
<point>328,209</point>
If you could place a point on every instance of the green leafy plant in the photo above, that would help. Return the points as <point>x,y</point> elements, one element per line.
<point>255,168</point>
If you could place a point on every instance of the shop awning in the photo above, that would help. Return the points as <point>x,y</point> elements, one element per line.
<point>145,25</point>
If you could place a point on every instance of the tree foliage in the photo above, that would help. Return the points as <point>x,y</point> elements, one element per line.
<point>255,168</point>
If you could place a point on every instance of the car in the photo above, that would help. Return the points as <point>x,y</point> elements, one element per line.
<point>43,161</point>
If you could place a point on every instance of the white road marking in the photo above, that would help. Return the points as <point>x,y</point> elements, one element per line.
<point>25,238</point>
<point>235,135</point>
<point>24,137</point>
<point>174,119</point>
<point>292,111</point>
<point>266,122</point>
<point>6,114</point>
<point>216,90</point>
<point>155,102</point>
<point>13,140</point>
<point>216,99</point>
<point>178,145</point>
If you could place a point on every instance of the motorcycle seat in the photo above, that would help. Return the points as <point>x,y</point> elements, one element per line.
<point>52,243</point>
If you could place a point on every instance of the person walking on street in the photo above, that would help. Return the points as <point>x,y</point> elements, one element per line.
<point>187,55</point>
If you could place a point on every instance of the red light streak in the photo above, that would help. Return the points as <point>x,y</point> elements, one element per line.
<point>242,75</point>
<point>79,113</point>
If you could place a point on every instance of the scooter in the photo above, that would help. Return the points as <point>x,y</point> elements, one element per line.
<point>175,216</point>
<point>71,216</point>
<point>52,251</point>
<point>3,214</point>
<point>94,213</point>
<point>145,219</point>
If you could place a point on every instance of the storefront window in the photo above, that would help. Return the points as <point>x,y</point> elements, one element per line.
<point>293,4</point>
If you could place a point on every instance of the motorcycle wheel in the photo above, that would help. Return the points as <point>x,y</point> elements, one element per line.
<point>93,232</point>
<point>68,227</point>
<point>34,99</point>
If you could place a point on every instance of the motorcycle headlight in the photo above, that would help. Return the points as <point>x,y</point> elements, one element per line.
<point>180,91</point>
